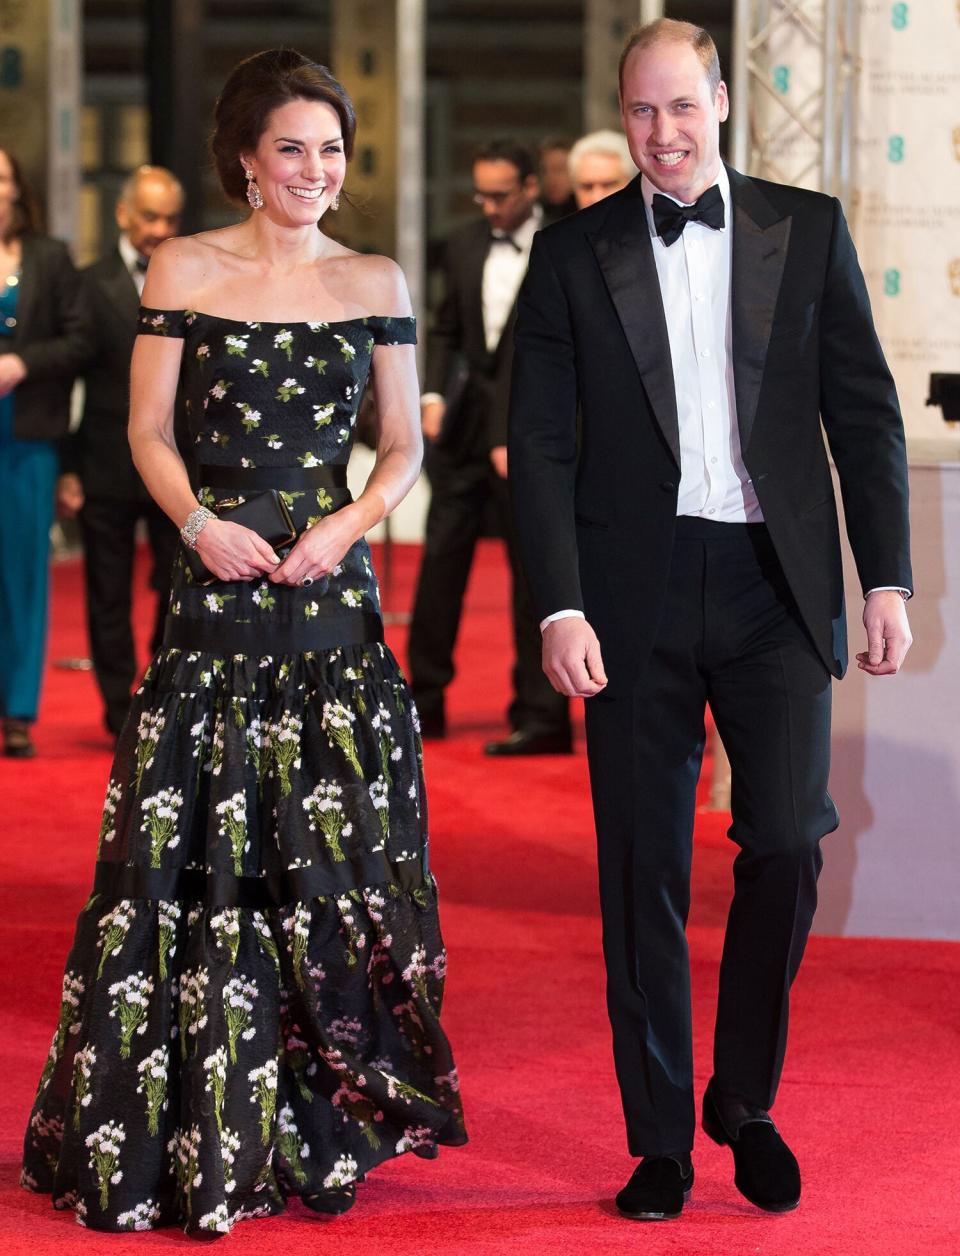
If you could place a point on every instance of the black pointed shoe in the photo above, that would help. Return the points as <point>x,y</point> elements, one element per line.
<point>765,1169</point>
<point>523,741</point>
<point>658,1189</point>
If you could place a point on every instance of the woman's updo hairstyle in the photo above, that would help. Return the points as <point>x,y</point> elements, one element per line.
<point>256,87</point>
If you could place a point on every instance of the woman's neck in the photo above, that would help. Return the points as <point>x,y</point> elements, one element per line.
<point>285,248</point>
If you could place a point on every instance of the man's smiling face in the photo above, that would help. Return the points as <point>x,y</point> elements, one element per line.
<point>672,118</point>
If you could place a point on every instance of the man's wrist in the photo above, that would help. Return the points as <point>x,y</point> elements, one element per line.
<point>565,614</point>
<point>906,594</point>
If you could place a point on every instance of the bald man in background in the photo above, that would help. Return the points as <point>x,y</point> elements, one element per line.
<point>99,481</point>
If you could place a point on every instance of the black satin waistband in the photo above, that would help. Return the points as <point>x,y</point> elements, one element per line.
<point>332,626</point>
<point>273,477</point>
<point>696,528</point>
<point>221,889</point>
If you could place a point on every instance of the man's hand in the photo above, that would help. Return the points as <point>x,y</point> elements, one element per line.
<point>69,495</point>
<point>498,456</point>
<point>888,633</point>
<point>571,658</point>
<point>431,418</point>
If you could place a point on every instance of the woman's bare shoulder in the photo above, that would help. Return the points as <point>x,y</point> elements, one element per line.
<point>184,266</point>
<point>376,283</point>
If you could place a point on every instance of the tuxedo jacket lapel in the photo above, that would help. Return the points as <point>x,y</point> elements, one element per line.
<point>625,254</point>
<point>760,239</point>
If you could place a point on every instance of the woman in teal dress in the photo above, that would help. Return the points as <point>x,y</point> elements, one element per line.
<point>42,343</point>
<point>251,1007</point>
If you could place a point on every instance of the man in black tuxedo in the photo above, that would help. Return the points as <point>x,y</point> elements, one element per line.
<point>469,352</point>
<point>683,547</point>
<point>99,479</point>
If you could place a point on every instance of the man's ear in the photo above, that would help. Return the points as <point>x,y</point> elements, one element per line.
<point>723,101</point>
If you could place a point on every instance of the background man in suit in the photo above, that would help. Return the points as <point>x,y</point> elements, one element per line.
<point>686,547</point>
<point>99,477</point>
<point>469,353</point>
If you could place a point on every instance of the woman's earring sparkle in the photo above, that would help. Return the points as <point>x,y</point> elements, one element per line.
<point>254,195</point>
<point>335,203</point>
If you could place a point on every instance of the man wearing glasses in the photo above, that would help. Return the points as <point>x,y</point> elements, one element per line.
<point>469,356</point>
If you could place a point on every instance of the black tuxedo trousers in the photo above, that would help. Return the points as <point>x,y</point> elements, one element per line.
<point>729,634</point>
<point>462,490</point>
<point>109,543</point>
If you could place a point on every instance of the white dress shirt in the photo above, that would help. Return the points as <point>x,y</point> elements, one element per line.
<point>694,274</point>
<point>503,272</point>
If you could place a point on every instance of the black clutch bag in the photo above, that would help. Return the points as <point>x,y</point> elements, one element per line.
<point>264,512</point>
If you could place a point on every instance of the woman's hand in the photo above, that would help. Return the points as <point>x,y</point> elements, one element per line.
<point>233,552</point>
<point>319,549</point>
<point>12,372</point>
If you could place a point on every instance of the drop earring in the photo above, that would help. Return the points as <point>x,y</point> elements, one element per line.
<point>335,203</point>
<point>254,195</point>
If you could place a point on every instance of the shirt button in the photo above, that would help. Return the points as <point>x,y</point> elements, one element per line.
<point>700,297</point>
<point>711,405</point>
<point>711,511</point>
<point>713,460</point>
<point>704,353</point>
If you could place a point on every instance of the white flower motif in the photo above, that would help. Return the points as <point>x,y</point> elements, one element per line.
<point>344,1172</point>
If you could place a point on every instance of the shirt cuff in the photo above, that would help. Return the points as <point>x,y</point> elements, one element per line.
<point>906,594</point>
<point>428,399</point>
<point>561,615</point>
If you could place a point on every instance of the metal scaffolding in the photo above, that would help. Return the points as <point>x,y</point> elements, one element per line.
<point>803,137</point>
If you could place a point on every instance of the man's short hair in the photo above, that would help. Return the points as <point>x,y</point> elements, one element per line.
<point>667,30</point>
<point>605,143</point>
<point>555,143</point>
<point>516,154</point>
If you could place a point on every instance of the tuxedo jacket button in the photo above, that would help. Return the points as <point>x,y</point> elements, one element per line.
<point>667,485</point>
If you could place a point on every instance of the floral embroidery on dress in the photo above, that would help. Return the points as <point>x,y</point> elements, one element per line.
<point>251,1005</point>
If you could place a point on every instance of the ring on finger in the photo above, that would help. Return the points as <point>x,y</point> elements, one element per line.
<point>306,582</point>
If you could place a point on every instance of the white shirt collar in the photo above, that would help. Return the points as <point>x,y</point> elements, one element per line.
<point>127,252</point>
<point>722,181</point>
<point>524,234</point>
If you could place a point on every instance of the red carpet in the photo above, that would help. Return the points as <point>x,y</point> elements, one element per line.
<point>869,1098</point>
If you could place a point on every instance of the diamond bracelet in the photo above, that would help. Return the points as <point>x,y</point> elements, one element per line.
<point>196,521</point>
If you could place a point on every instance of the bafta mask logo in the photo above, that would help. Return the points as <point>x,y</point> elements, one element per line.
<point>953,273</point>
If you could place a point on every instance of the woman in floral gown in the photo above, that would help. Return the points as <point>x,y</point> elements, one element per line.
<point>251,1005</point>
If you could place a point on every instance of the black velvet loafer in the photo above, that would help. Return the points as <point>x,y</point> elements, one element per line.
<point>765,1169</point>
<point>334,1201</point>
<point>657,1190</point>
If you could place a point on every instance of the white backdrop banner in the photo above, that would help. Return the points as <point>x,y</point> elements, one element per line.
<point>906,218</point>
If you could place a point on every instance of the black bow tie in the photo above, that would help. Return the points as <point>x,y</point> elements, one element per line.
<point>503,238</point>
<point>669,218</point>
<point>141,264</point>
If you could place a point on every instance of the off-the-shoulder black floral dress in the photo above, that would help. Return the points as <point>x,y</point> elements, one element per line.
<point>251,1005</point>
